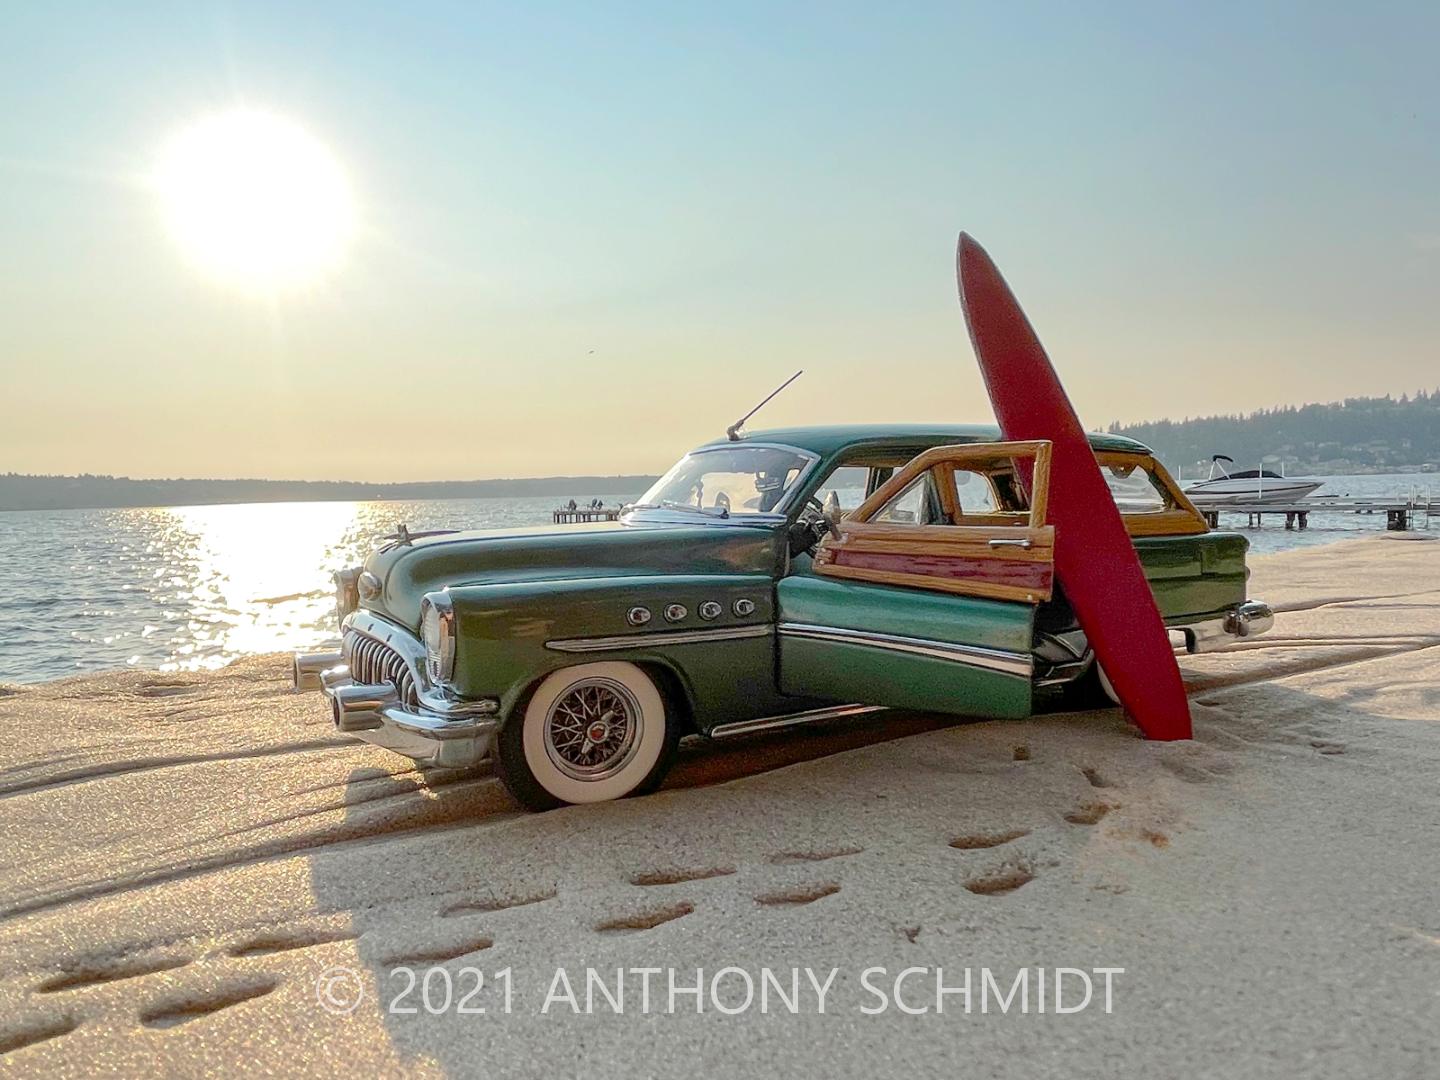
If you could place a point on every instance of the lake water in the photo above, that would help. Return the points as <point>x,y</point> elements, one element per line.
<point>195,587</point>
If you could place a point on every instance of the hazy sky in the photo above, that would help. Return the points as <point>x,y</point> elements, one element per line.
<point>591,234</point>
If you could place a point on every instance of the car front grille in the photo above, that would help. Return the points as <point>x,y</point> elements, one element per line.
<point>372,662</point>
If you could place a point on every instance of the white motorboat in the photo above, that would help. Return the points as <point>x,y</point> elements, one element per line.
<point>1248,486</point>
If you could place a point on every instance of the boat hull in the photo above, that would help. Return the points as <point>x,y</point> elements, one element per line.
<point>1246,491</point>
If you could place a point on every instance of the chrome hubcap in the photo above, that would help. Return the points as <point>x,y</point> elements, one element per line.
<point>593,729</point>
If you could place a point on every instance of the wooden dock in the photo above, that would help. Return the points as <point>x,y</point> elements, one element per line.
<point>1399,513</point>
<point>565,516</point>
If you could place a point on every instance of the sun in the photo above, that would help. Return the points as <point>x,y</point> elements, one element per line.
<point>255,200</point>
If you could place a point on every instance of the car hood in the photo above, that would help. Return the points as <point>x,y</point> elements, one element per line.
<point>408,571</point>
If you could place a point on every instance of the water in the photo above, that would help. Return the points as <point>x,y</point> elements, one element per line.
<point>194,587</point>
<point>188,588</point>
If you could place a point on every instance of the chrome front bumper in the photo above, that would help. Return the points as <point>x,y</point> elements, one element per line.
<point>437,729</point>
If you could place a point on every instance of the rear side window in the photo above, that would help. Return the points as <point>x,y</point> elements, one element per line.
<point>1134,489</point>
<point>974,493</point>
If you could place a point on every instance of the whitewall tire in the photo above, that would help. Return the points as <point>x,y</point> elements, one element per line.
<point>1106,687</point>
<point>589,733</point>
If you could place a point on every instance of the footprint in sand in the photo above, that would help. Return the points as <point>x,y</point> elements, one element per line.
<point>1000,882</point>
<point>439,954</point>
<point>799,895</point>
<point>973,841</point>
<point>38,1031</point>
<point>487,907</point>
<point>98,971</point>
<point>1089,813</point>
<point>289,940</point>
<point>175,1011</point>
<point>785,858</point>
<point>646,920</point>
<point>675,877</point>
<point>1095,779</point>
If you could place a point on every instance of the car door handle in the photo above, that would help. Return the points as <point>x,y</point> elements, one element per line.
<point>1026,544</point>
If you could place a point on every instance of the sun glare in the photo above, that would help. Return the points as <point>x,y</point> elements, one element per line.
<point>255,200</point>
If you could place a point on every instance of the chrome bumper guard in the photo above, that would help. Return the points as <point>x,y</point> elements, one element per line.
<point>442,731</point>
<point>1249,619</point>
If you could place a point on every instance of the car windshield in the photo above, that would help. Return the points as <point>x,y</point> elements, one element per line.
<point>728,480</point>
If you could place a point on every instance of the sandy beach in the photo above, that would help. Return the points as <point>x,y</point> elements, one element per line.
<point>187,854</point>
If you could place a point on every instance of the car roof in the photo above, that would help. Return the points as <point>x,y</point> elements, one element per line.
<point>829,439</point>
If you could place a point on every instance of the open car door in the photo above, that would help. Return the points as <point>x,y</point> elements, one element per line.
<point>926,597</point>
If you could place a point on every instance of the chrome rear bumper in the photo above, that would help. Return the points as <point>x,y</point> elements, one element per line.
<point>435,729</point>
<point>1244,620</point>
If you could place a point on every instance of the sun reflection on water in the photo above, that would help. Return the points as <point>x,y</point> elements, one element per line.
<point>260,577</point>
<point>195,587</point>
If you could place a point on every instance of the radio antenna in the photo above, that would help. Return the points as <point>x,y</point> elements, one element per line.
<point>733,431</point>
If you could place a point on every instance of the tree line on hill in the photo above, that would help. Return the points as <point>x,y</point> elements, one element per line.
<point>18,492</point>
<point>1361,434</point>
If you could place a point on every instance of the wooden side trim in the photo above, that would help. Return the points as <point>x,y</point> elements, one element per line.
<point>967,586</point>
<point>959,540</point>
<point>950,558</point>
<point>1164,523</point>
<point>1005,556</point>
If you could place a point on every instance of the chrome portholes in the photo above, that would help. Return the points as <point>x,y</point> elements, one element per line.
<point>710,610</point>
<point>675,612</point>
<point>593,729</point>
<point>638,616</point>
<point>743,607</point>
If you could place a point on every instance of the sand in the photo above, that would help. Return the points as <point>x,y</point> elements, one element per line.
<point>185,855</point>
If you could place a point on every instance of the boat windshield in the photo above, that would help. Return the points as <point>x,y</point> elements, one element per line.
<point>729,480</point>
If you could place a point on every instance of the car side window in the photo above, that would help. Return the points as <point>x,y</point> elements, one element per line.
<point>974,493</point>
<point>909,506</point>
<point>850,485</point>
<point>1134,489</point>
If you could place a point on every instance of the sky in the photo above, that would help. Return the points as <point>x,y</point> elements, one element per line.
<point>589,236</point>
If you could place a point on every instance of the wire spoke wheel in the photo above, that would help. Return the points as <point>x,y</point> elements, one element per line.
<point>593,729</point>
<point>588,733</point>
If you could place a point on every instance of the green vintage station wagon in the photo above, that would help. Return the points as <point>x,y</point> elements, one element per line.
<point>768,579</point>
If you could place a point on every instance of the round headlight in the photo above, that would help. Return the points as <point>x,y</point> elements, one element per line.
<point>347,591</point>
<point>437,634</point>
<point>368,585</point>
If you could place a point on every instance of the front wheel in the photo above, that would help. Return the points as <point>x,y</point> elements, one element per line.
<point>589,733</point>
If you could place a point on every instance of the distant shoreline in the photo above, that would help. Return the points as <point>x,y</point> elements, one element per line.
<point>20,493</point>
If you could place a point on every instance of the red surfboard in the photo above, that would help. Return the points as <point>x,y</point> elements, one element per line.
<point>1095,559</point>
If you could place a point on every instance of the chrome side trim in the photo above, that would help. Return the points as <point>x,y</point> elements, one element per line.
<point>645,641</point>
<point>1007,663</point>
<point>769,723</point>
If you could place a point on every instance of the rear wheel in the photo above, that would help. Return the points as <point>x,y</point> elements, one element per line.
<point>589,733</point>
<point>1093,690</point>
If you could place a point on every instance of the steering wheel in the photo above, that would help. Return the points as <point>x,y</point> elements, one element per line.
<point>810,526</point>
